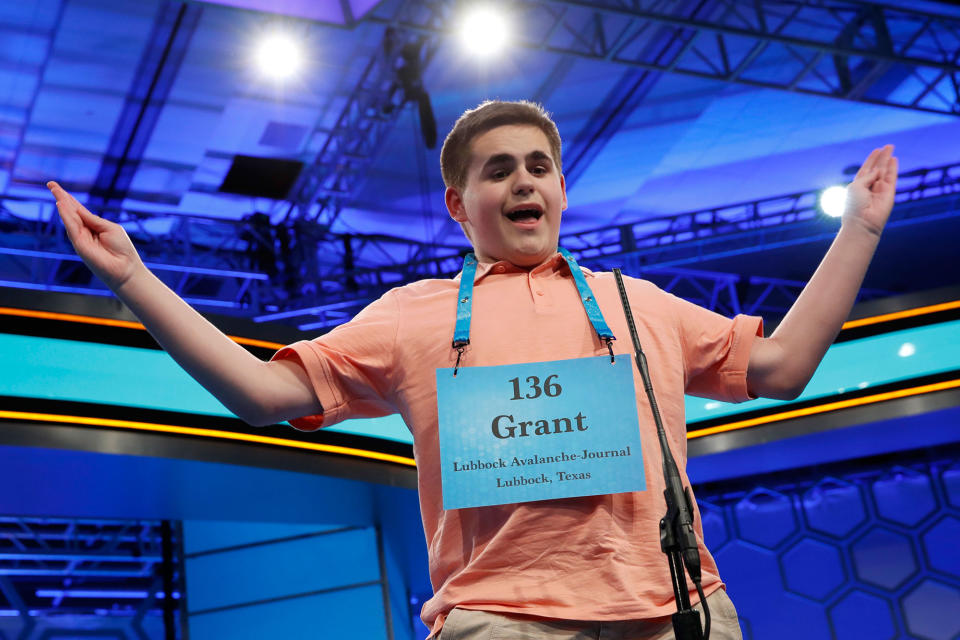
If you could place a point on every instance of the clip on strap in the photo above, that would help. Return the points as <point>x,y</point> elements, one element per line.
<point>589,303</point>
<point>459,346</point>
<point>461,332</point>
<point>609,342</point>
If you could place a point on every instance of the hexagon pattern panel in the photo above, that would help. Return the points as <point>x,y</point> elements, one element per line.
<point>863,553</point>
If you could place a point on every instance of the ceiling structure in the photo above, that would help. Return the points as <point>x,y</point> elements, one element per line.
<point>697,134</point>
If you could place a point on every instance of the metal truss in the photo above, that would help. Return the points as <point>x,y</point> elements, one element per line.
<point>173,27</point>
<point>333,179</point>
<point>345,291</point>
<point>730,293</point>
<point>848,49</point>
<point>112,574</point>
<point>243,267</point>
<point>659,249</point>
<point>207,261</point>
<point>744,227</point>
<point>725,293</point>
<point>253,268</point>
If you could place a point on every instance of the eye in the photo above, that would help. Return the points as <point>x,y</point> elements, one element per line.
<point>539,170</point>
<point>499,174</point>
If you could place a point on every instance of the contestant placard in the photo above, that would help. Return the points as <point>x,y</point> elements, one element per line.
<point>538,431</point>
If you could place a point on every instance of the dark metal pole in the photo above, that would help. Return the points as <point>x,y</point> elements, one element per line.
<point>384,583</point>
<point>166,572</point>
<point>677,538</point>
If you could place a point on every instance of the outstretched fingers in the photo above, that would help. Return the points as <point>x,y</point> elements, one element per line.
<point>75,216</point>
<point>885,173</point>
<point>868,165</point>
<point>892,170</point>
<point>876,166</point>
<point>71,220</point>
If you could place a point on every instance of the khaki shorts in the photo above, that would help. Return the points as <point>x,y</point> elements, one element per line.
<point>464,624</point>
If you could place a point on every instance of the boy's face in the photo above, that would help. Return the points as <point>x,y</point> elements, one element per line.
<point>510,206</point>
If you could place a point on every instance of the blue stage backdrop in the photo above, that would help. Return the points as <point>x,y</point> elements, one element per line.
<point>830,525</point>
<point>863,550</point>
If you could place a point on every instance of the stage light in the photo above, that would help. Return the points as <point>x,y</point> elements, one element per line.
<point>833,201</point>
<point>278,56</point>
<point>484,32</point>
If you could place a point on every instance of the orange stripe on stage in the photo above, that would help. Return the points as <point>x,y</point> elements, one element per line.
<point>897,315</point>
<point>210,433</point>
<point>124,324</point>
<point>825,408</point>
<point>699,433</point>
<point>127,324</point>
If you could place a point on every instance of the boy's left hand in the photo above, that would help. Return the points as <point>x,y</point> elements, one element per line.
<point>870,195</point>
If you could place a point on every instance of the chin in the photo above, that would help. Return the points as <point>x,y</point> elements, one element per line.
<point>531,257</point>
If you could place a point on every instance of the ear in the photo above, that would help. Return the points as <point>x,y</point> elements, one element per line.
<point>455,207</point>
<point>563,190</point>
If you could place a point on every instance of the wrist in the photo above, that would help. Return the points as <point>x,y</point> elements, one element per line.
<point>134,281</point>
<point>860,228</point>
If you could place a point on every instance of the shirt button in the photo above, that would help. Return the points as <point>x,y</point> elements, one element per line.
<point>499,268</point>
<point>539,293</point>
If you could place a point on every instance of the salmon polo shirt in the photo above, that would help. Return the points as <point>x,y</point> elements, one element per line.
<point>587,558</point>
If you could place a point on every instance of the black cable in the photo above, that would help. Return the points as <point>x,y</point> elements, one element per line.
<point>706,611</point>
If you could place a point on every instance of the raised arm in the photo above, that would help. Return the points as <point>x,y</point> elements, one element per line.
<point>782,365</point>
<point>257,392</point>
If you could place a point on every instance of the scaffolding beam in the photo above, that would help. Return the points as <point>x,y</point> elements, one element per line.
<point>846,49</point>
<point>246,267</point>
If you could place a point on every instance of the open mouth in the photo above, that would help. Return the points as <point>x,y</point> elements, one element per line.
<point>525,215</point>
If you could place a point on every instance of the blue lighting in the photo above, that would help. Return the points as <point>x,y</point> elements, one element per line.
<point>101,593</point>
<point>207,302</point>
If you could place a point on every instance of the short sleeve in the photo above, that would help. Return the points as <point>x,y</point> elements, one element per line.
<point>716,351</point>
<point>351,368</point>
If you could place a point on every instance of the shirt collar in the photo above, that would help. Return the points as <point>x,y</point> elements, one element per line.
<point>556,262</point>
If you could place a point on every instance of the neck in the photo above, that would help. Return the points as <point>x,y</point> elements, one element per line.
<point>526,265</point>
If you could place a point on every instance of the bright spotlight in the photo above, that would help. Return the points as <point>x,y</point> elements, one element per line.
<point>833,201</point>
<point>279,57</point>
<point>484,32</point>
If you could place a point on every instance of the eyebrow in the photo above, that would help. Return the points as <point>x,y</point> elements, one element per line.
<point>506,158</point>
<point>540,155</point>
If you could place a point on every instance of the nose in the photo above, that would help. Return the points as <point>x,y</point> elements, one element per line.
<point>523,182</point>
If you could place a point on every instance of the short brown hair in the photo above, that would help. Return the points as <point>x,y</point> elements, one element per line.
<point>455,154</point>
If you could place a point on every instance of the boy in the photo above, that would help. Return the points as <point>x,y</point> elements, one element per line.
<point>561,568</point>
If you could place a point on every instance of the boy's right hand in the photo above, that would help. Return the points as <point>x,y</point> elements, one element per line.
<point>103,245</point>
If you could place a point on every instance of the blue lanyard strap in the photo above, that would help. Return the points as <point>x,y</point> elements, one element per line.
<point>461,332</point>
<point>586,297</point>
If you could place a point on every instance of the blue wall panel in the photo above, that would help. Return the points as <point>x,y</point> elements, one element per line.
<point>282,582</point>
<point>863,551</point>
<point>354,613</point>
<point>99,485</point>
<point>208,536</point>
<point>277,569</point>
<point>405,553</point>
